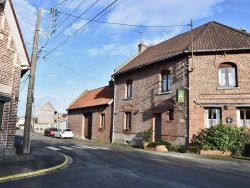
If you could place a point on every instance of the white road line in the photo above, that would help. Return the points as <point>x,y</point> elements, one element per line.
<point>53,148</point>
<point>65,147</point>
<point>87,147</point>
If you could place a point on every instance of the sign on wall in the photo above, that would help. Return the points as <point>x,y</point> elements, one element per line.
<point>180,95</point>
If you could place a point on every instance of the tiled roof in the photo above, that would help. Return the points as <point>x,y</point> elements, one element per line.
<point>96,97</point>
<point>212,36</point>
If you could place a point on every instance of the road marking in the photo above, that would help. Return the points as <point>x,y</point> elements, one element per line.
<point>53,148</point>
<point>78,147</point>
<point>65,147</point>
<point>88,147</point>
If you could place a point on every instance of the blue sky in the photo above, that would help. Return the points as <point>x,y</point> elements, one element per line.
<point>90,53</point>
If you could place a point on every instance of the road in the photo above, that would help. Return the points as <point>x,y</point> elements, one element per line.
<point>97,165</point>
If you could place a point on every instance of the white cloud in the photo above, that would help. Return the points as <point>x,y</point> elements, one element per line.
<point>111,50</point>
<point>26,15</point>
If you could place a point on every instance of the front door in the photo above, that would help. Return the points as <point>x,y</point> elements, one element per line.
<point>157,118</point>
<point>88,126</point>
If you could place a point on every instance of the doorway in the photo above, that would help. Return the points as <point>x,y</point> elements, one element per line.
<point>88,126</point>
<point>157,135</point>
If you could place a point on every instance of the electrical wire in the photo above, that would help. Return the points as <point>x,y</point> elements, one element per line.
<point>64,66</point>
<point>122,24</point>
<point>72,22</point>
<point>80,29</point>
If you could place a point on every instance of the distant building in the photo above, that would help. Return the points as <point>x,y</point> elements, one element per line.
<point>20,121</point>
<point>14,62</point>
<point>47,114</point>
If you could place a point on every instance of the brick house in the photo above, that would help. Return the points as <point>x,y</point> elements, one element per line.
<point>178,87</point>
<point>14,62</point>
<point>47,114</point>
<point>90,115</point>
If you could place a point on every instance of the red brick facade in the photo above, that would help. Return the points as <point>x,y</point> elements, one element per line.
<point>10,74</point>
<point>212,71</point>
<point>77,122</point>
<point>148,101</point>
<point>206,93</point>
<point>90,115</point>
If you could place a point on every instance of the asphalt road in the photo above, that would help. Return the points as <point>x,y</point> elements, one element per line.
<point>97,165</point>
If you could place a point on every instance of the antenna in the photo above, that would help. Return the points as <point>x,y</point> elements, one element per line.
<point>140,33</point>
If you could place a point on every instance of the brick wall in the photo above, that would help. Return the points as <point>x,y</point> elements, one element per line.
<point>9,78</point>
<point>147,101</point>
<point>204,92</point>
<point>76,122</point>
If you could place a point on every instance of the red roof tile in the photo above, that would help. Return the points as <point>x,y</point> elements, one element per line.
<point>212,36</point>
<point>96,97</point>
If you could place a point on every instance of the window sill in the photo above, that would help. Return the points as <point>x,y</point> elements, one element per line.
<point>128,98</point>
<point>170,121</point>
<point>163,93</point>
<point>227,88</point>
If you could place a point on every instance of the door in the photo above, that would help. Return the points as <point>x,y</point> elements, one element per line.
<point>157,118</point>
<point>88,126</point>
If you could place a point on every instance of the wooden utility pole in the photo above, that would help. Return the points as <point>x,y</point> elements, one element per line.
<point>30,95</point>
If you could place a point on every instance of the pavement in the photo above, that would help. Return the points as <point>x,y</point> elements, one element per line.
<point>41,160</point>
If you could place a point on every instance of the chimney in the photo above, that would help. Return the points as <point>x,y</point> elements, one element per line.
<point>243,29</point>
<point>111,82</point>
<point>142,47</point>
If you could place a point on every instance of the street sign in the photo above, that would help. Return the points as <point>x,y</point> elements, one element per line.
<point>229,119</point>
<point>180,95</point>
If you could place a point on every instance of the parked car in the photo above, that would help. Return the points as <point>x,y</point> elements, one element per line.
<point>63,133</point>
<point>50,131</point>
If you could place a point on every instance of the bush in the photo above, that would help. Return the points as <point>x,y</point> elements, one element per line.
<point>146,134</point>
<point>223,137</point>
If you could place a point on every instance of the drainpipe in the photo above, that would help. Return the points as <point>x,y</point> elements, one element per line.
<point>113,124</point>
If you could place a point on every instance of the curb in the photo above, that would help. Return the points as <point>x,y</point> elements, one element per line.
<point>35,173</point>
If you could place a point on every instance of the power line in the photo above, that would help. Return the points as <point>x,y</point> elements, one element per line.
<point>123,24</point>
<point>68,17</point>
<point>72,22</point>
<point>83,76</point>
<point>79,30</point>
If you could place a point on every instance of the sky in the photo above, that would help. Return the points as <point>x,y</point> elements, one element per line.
<point>83,41</point>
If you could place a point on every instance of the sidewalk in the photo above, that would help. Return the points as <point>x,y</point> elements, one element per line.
<point>41,160</point>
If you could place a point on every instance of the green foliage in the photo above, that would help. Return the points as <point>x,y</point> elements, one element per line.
<point>146,134</point>
<point>223,137</point>
<point>21,125</point>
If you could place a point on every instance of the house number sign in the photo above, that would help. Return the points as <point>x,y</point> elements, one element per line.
<point>229,119</point>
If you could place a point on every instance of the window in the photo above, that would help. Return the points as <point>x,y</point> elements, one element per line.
<point>212,117</point>
<point>243,117</point>
<point>170,114</point>
<point>128,120</point>
<point>129,88</point>
<point>227,75</point>
<point>102,121</point>
<point>3,99</point>
<point>165,81</point>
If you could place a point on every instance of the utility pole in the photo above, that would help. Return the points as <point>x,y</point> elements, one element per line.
<point>30,96</point>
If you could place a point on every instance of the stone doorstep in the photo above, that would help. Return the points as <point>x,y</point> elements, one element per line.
<point>215,152</point>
